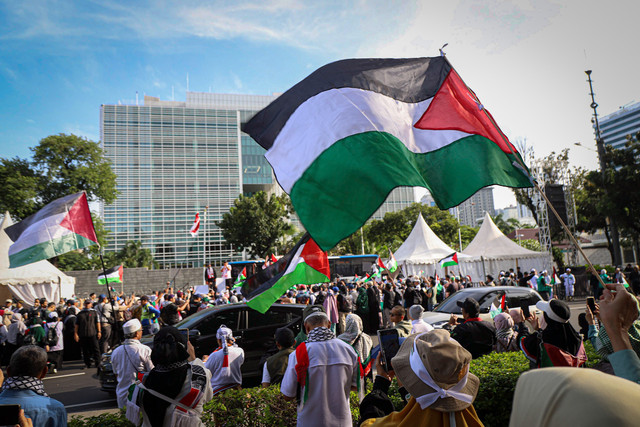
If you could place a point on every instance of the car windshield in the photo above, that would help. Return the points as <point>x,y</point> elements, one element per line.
<point>193,319</point>
<point>483,296</point>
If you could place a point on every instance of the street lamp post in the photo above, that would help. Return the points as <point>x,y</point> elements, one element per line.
<point>613,227</point>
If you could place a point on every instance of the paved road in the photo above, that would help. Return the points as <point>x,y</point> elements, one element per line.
<point>78,389</point>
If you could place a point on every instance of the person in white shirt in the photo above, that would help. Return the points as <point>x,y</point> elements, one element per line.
<point>569,283</point>
<point>129,359</point>
<point>225,362</point>
<point>417,324</point>
<point>533,282</point>
<point>226,274</point>
<point>325,370</point>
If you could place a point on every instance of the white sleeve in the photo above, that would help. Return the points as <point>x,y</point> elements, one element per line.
<point>289,384</point>
<point>266,378</point>
<point>356,373</point>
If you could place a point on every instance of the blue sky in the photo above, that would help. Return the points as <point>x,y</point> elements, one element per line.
<point>60,60</point>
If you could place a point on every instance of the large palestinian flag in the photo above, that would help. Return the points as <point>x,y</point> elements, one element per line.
<point>340,140</point>
<point>305,264</point>
<point>61,226</point>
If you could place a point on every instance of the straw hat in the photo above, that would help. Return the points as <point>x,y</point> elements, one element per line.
<point>445,361</point>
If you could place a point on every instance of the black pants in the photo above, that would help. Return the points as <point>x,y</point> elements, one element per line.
<point>55,357</point>
<point>104,337</point>
<point>90,350</point>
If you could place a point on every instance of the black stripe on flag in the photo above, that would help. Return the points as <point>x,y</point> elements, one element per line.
<point>56,207</point>
<point>407,80</point>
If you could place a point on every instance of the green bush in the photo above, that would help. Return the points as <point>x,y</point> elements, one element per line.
<point>117,419</point>
<point>498,374</point>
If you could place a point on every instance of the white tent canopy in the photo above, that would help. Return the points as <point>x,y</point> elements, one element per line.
<point>38,280</point>
<point>492,252</point>
<point>422,250</point>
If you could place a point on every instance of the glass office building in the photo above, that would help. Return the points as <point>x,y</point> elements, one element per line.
<point>173,159</point>
<point>616,126</point>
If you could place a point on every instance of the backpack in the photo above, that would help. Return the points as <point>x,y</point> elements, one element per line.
<point>52,335</point>
<point>362,303</point>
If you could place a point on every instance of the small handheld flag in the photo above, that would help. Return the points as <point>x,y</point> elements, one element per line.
<point>273,258</point>
<point>61,226</point>
<point>380,264</point>
<point>241,278</point>
<point>392,264</point>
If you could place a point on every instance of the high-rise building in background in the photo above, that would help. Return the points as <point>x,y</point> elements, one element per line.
<point>616,126</point>
<point>473,209</point>
<point>173,159</point>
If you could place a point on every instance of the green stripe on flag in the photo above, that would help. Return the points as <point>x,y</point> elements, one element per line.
<point>455,172</point>
<point>49,249</point>
<point>101,280</point>
<point>301,274</point>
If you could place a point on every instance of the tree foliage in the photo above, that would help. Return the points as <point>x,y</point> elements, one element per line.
<point>61,165</point>
<point>258,223</point>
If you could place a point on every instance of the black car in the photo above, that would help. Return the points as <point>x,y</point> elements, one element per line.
<point>253,331</point>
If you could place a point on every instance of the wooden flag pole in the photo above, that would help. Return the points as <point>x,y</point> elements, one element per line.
<point>531,178</point>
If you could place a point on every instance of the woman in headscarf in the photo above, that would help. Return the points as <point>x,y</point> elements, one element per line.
<point>175,390</point>
<point>556,343</point>
<point>362,344</point>
<point>15,334</point>
<point>507,340</point>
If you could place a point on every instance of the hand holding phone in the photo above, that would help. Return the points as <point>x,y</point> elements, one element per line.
<point>10,414</point>
<point>389,345</point>
<point>524,305</point>
<point>591,302</point>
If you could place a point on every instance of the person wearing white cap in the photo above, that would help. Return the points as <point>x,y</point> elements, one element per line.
<point>569,281</point>
<point>418,325</point>
<point>129,359</point>
<point>55,343</point>
<point>225,362</point>
<point>321,373</point>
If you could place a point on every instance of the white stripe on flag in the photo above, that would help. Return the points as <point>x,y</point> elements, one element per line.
<point>45,230</point>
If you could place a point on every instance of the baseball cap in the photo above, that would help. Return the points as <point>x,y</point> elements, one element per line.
<point>310,309</point>
<point>469,305</point>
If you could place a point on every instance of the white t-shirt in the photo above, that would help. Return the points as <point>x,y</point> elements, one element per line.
<point>226,272</point>
<point>214,364</point>
<point>332,372</point>
<point>127,360</point>
<point>266,378</point>
<point>419,326</point>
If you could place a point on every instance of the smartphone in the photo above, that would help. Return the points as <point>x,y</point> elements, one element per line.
<point>9,414</point>
<point>591,302</point>
<point>184,331</point>
<point>389,345</point>
<point>524,305</point>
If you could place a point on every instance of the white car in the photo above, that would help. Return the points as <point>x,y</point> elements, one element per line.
<point>485,297</point>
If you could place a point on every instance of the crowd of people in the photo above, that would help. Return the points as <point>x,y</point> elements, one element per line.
<point>333,354</point>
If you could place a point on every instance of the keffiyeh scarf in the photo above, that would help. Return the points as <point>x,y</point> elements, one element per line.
<point>24,383</point>
<point>320,334</point>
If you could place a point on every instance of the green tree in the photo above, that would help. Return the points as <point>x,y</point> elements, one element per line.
<point>68,164</point>
<point>257,223</point>
<point>133,255</point>
<point>19,187</point>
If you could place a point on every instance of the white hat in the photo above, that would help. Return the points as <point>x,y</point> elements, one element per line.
<point>53,315</point>
<point>132,326</point>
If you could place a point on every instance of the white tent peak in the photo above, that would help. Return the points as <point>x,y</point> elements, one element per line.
<point>422,246</point>
<point>491,242</point>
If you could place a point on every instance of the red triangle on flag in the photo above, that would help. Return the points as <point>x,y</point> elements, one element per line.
<point>273,258</point>
<point>315,257</point>
<point>456,107</point>
<point>78,219</point>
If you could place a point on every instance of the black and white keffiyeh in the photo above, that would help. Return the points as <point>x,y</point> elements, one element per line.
<point>320,334</point>
<point>24,383</point>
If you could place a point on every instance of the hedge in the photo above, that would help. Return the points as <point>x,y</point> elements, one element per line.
<point>498,374</point>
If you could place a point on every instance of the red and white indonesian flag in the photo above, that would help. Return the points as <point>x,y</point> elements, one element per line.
<point>382,123</point>
<point>61,226</point>
<point>196,226</point>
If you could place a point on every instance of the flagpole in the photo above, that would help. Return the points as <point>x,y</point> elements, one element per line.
<point>532,179</point>
<point>104,271</point>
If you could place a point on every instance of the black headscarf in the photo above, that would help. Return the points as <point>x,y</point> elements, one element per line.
<point>562,335</point>
<point>169,355</point>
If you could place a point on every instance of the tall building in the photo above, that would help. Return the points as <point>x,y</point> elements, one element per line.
<point>616,126</point>
<point>472,210</point>
<point>173,159</point>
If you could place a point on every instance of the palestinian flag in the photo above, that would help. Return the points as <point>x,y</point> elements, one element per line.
<point>366,278</point>
<point>241,278</point>
<point>380,264</point>
<point>196,226</point>
<point>449,260</point>
<point>392,264</point>
<point>273,258</point>
<point>61,226</point>
<point>305,264</point>
<point>113,275</point>
<point>382,123</point>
